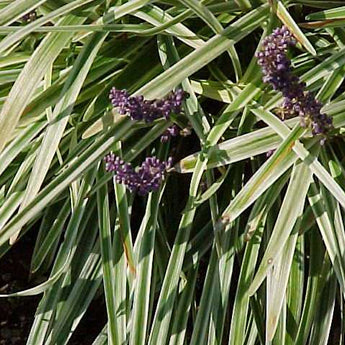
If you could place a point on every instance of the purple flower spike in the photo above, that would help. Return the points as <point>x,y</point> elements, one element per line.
<point>172,131</point>
<point>146,179</point>
<point>151,174</point>
<point>276,66</point>
<point>148,110</point>
<point>276,69</point>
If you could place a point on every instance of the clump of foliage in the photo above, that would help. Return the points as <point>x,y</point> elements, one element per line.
<point>180,160</point>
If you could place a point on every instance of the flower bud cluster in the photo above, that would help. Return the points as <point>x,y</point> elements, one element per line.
<point>139,108</point>
<point>29,17</point>
<point>276,69</point>
<point>172,131</point>
<point>145,179</point>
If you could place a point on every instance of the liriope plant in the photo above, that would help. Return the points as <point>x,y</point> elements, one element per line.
<point>176,169</point>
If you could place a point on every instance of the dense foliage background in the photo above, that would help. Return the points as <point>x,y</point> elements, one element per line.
<point>244,241</point>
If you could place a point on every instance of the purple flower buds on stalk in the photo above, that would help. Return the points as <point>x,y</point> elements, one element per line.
<point>148,110</point>
<point>172,131</point>
<point>276,68</point>
<point>147,178</point>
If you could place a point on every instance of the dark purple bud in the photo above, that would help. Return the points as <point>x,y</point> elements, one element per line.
<point>269,153</point>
